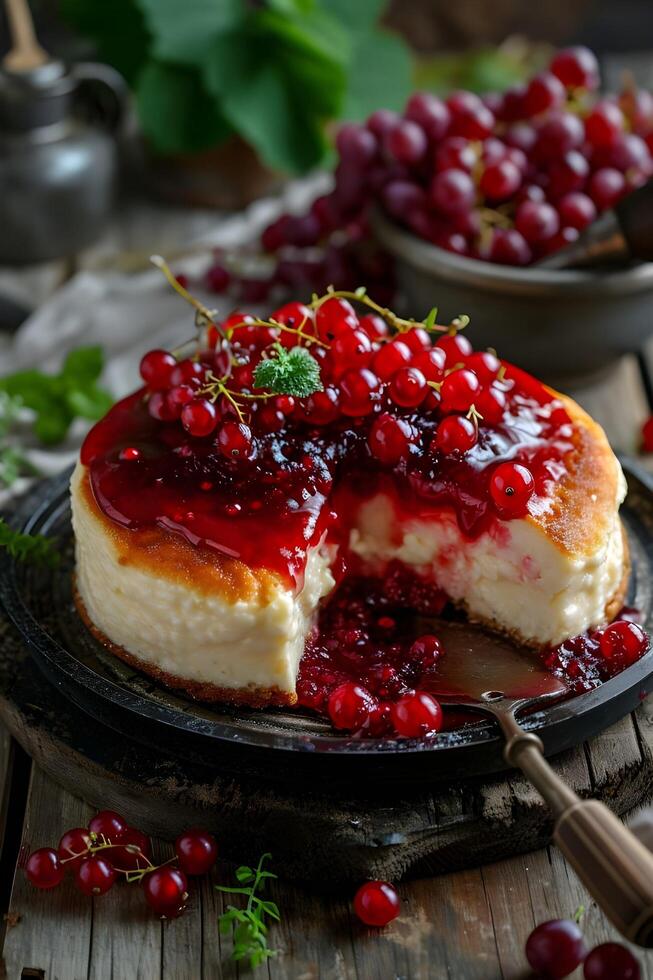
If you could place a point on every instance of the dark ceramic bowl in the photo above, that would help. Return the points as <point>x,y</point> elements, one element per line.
<point>556,324</point>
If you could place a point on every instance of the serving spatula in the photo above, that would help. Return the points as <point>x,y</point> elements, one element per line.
<point>504,683</point>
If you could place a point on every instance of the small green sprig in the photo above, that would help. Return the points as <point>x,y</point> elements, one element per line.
<point>27,547</point>
<point>250,931</point>
<point>57,399</point>
<point>289,372</point>
<point>12,462</point>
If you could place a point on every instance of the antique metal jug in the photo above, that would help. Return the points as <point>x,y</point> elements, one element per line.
<point>58,158</point>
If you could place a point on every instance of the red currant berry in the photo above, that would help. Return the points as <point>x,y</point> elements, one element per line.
<point>333,317</point>
<point>554,949</point>
<point>456,348</point>
<point>430,113</point>
<point>426,649</point>
<point>217,279</point>
<point>500,180</point>
<point>576,210</point>
<point>134,851</point>
<point>270,419</point>
<point>647,435</point>
<point>156,368</point>
<point>73,847</point>
<point>390,358</point>
<point>166,891</point>
<point>186,372</point>
<point>323,407</point>
<point>536,222</point>
<point>376,903</point>
<point>381,122</point>
<point>297,316</point>
<point>358,388</point>
<point>197,851</point>
<point>390,438</point>
<point>452,191</point>
<point>511,487</point>
<point>611,961</point>
<point>158,407</point>
<point>624,640</point>
<point>576,68</point>
<point>408,387</point>
<point>544,92</point>
<point>406,142</point>
<point>606,186</point>
<point>455,153</point>
<point>95,876</point>
<point>491,404</point>
<point>235,440</point>
<point>485,366</point>
<point>199,417</point>
<point>44,869</point>
<point>350,706</point>
<point>604,124</point>
<point>108,824</point>
<point>374,326</point>
<point>566,174</point>
<point>431,363</point>
<point>356,145</point>
<point>561,132</point>
<point>417,339</point>
<point>459,390</point>
<point>351,349</point>
<point>177,397</point>
<point>416,714</point>
<point>509,247</point>
<point>455,434</point>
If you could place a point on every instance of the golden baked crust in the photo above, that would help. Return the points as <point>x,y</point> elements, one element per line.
<point>168,555</point>
<point>253,697</point>
<point>583,503</point>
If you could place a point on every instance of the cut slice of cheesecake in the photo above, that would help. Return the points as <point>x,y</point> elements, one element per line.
<point>204,551</point>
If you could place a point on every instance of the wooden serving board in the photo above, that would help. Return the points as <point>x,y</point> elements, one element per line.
<point>333,836</point>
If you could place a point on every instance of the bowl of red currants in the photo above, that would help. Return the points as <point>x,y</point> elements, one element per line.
<point>469,193</point>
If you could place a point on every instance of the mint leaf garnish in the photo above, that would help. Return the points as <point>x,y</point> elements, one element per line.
<point>289,372</point>
<point>27,547</point>
<point>249,929</point>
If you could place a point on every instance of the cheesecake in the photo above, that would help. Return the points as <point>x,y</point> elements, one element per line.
<point>219,509</point>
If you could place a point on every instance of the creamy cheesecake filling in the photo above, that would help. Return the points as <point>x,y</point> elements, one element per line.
<point>513,577</point>
<point>187,633</point>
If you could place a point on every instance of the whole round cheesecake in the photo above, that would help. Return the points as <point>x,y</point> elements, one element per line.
<point>222,506</point>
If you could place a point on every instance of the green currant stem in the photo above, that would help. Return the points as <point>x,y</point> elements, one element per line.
<point>275,325</point>
<point>205,316</point>
<point>400,324</point>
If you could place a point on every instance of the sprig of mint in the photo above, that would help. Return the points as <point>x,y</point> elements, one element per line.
<point>289,372</point>
<point>250,930</point>
<point>27,547</point>
<point>273,72</point>
<point>12,462</point>
<point>57,399</point>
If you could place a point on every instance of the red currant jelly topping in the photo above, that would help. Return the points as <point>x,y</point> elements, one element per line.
<point>624,641</point>
<point>554,949</point>
<point>196,851</point>
<point>44,869</point>
<point>376,903</point>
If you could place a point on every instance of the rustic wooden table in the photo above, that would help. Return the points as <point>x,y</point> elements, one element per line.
<point>463,926</point>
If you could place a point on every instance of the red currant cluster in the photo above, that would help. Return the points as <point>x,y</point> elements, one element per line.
<point>555,949</point>
<point>367,370</point>
<point>109,850</point>
<point>353,708</point>
<point>583,661</point>
<point>506,178</point>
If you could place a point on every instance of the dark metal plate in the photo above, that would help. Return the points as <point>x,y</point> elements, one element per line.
<point>278,743</point>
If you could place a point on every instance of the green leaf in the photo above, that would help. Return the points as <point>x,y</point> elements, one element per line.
<point>27,547</point>
<point>356,17</point>
<point>90,404</point>
<point>176,111</point>
<point>430,320</point>
<point>184,35</point>
<point>51,426</point>
<point>379,75</point>
<point>118,29</point>
<point>294,372</point>
<point>83,364</point>
<point>243,873</point>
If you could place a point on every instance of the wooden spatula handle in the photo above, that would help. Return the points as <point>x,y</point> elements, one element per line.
<point>615,867</point>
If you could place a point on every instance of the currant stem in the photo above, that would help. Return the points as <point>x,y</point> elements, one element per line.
<point>207,315</point>
<point>400,324</point>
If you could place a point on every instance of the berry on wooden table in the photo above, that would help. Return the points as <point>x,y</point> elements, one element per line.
<point>44,869</point>
<point>73,847</point>
<point>95,875</point>
<point>554,949</point>
<point>196,851</point>
<point>109,824</point>
<point>166,891</point>
<point>611,961</point>
<point>376,903</point>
